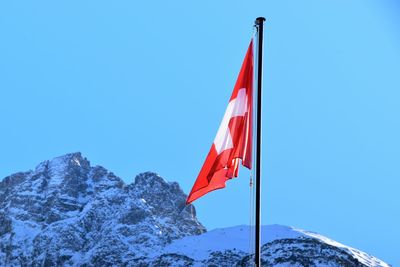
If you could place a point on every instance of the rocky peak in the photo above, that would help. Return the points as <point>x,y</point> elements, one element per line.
<point>150,183</point>
<point>147,178</point>
<point>167,200</point>
<point>67,205</point>
<point>64,162</point>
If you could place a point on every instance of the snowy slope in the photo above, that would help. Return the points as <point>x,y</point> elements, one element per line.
<point>232,238</point>
<point>236,239</point>
<point>66,212</point>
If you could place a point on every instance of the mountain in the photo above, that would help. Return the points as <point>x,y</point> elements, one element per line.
<point>68,213</point>
<point>283,246</point>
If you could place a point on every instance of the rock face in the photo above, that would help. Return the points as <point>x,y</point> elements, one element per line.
<point>68,213</point>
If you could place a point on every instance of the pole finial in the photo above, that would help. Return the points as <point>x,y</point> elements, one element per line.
<point>259,20</point>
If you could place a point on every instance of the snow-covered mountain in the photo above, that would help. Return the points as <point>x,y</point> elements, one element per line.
<point>283,246</point>
<point>68,213</point>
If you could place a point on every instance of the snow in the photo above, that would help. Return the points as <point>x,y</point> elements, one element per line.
<point>232,238</point>
<point>237,238</point>
<point>76,161</point>
<point>41,167</point>
<point>361,256</point>
<point>57,168</point>
<point>24,230</point>
<point>18,211</point>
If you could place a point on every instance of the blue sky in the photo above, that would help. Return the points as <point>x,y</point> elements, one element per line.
<point>138,87</point>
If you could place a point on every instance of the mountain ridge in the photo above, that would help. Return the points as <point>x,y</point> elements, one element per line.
<point>67,213</point>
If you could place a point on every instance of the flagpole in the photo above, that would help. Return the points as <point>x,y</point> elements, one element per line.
<point>260,25</point>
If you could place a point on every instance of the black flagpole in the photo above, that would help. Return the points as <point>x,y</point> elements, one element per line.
<point>260,24</point>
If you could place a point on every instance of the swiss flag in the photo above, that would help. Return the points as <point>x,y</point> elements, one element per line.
<point>234,137</point>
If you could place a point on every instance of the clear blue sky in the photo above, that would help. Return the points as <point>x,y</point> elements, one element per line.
<point>139,87</point>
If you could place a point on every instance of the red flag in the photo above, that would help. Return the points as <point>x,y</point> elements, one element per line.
<point>234,137</point>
